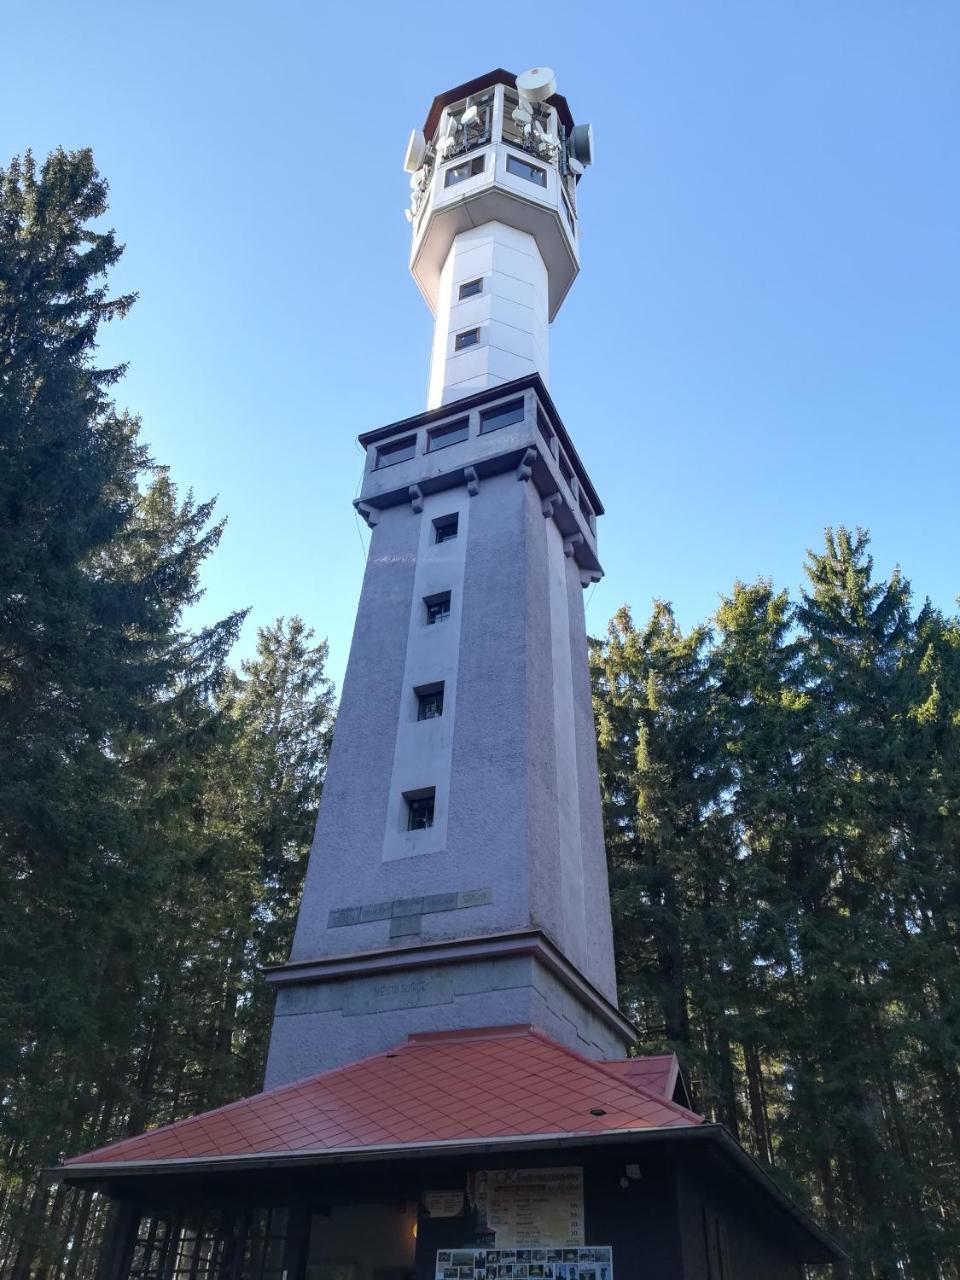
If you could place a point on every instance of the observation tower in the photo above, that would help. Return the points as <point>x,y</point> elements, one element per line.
<point>448,1095</point>
<point>458,877</point>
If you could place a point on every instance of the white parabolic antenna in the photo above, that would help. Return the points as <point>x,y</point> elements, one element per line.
<point>537,84</point>
<point>416,150</point>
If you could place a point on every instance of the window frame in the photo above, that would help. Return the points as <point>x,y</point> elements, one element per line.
<point>472,334</point>
<point>384,451</point>
<point>488,417</point>
<point>433,602</point>
<point>435,436</point>
<point>469,285</point>
<point>475,165</point>
<point>442,523</point>
<point>426,797</point>
<point>425,693</point>
<point>515,166</point>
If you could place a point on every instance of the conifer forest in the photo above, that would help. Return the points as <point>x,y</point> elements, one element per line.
<point>781,790</point>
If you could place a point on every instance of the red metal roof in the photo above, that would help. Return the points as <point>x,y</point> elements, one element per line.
<point>493,1082</point>
<point>656,1073</point>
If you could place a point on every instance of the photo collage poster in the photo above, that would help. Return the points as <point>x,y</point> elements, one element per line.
<point>584,1263</point>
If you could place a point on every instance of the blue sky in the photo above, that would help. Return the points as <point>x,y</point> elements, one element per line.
<point>764,339</point>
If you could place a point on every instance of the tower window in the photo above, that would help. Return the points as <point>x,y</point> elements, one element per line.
<point>419,809</point>
<point>466,169</point>
<point>449,433</point>
<point>437,607</point>
<point>430,701</point>
<point>445,527</point>
<point>469,338</point>
<point>471,289</point>
<point>396,451</point>
<point>504,415</point>
<point>522,169</point>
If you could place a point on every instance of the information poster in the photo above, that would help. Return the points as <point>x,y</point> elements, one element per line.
<point>529,1208</point>
<point>584,1263</point>
<point>443,1204</point>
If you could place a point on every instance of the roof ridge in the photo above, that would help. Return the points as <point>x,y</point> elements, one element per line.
<point>630,1084</point>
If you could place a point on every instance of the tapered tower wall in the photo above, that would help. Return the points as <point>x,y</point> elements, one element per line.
<point>458,875</point>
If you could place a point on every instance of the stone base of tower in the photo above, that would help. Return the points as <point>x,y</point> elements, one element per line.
<point>333,1012</point>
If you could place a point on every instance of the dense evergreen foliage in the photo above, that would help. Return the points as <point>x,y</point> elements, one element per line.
<point>782,804</point>
<point>155,808</point>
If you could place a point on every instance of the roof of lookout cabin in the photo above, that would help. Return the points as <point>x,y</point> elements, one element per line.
<point>435,1088</point>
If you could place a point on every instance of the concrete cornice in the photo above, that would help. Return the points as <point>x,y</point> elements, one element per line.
<point>521,942</point>
<point>458,407</point>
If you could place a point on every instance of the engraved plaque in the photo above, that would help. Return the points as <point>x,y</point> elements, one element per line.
<point>376,911</point>
<point>475,897</point>
<point>407,906</point>
<point>440,902</point>
<point>344,916</point>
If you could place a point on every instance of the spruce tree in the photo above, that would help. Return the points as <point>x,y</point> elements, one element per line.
<point>103,692</point>
<point>662,775</point>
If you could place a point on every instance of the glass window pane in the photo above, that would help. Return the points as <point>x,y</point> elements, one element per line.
<point>420,815</point>
<point>504,415</point>
<point>446,527</point>
<point>523,169</point>
<point>396,451</point>
<point>450,433</point>
<point>466,169</point>
<point>430,705</point>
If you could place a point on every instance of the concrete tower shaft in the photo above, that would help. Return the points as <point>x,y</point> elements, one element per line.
<point>458,874</point>
<point>493,213</point>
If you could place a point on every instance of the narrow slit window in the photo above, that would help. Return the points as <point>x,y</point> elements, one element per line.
<point>396,451</point>
<point>445,528</point>
<point>430,702</point>
<point>504,415</point>
<point>469,338</point>
<point>437,608</point>
<point>419,809</point>
<point>470,289</point>
<point>544,426</point>
<point>449,433</point>
<point>523,169</point>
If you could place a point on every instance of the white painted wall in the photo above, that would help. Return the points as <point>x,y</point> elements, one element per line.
<point>511,313</point>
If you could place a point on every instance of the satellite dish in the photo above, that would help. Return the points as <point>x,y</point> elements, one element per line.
<point>581,143</point>
<point>576,168</point>
<point>408,215</point>
<point>416,150</point>
<point>522,114</point>
<point>537,84</point>
<point>469,116</point>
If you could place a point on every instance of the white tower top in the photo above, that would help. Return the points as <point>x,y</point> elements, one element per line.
<point>493,210</point>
